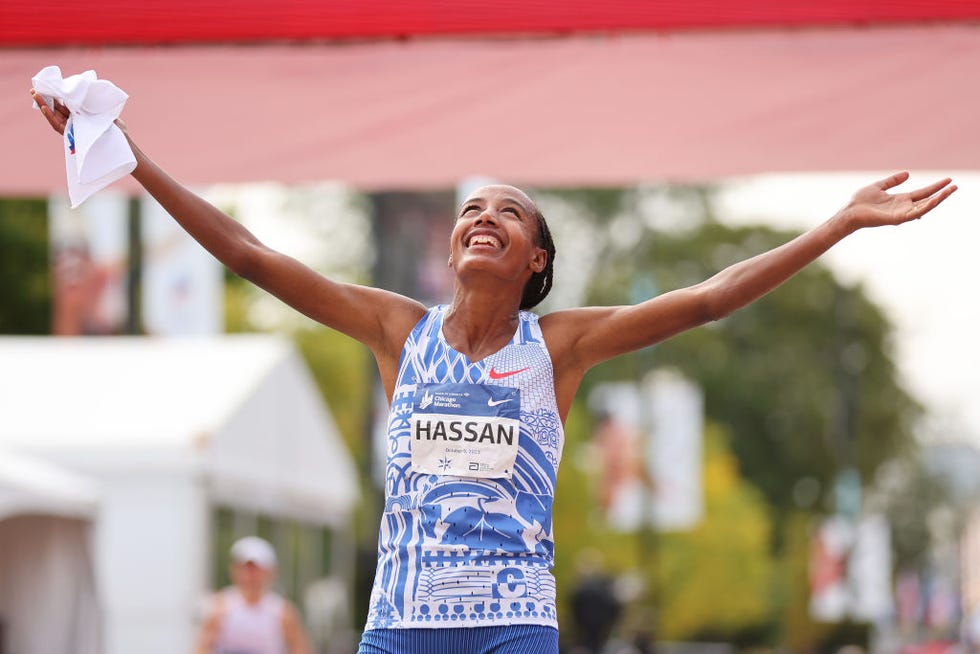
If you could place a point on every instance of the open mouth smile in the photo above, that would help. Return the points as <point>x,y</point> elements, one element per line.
<point>483,241</point>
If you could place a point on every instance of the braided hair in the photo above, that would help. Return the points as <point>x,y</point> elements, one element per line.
<point>538,287</point>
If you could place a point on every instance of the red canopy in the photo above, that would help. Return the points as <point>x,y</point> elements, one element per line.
<point>59,22</point>
<point>562,111</point>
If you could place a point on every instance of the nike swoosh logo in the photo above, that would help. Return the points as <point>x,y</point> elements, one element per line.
<point>503,375</point>
<point>498,402</point>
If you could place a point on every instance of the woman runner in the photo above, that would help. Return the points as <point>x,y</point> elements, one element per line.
<point>479,390</point>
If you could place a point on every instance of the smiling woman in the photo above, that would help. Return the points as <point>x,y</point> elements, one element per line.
<point>514,204</point>
<point>479,391</point>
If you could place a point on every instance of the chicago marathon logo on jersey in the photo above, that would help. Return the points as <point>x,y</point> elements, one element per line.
<point>465,429</point>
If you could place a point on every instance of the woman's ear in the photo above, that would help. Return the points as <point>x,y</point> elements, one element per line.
<point>539,260</point>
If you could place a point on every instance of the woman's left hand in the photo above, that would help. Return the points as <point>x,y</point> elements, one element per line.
<point>873,206</point>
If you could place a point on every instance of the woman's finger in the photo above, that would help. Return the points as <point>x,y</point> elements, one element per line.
<point>892,181</point>
<point>57,120</point>
<point>61,109</point>
<point>923,206</point>
<point>53,118</point>
<point>926,191</point>
<point>55,106</point>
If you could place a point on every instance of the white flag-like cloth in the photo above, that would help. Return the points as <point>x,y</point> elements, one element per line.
<point>96,150</point>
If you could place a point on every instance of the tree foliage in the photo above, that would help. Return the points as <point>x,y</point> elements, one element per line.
<point>803,377</point>
<point>25,296</point>
<point>714,581</point>
<point>798,386</point>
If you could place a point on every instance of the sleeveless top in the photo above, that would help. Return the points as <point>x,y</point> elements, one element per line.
<point>250,628</point>
<point>466,536</point>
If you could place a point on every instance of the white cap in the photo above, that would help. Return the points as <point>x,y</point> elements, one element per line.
<point>255,550</point>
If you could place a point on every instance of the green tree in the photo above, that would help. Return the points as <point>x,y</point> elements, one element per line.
<point>714,581</point>
<point>25,297</point>
<point>803,377</point>
<point>801,382</point>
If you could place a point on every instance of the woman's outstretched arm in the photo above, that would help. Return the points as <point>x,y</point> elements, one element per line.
<point>581,338</point>
<point>378,318</point>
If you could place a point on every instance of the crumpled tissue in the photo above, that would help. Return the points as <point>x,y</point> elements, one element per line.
<point>96,151</point>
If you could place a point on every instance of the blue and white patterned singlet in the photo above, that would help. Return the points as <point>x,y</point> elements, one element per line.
<point>461,551</point>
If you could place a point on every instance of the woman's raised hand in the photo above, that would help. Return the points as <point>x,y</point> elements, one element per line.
<point>57,117</point>
<point>873,205</point>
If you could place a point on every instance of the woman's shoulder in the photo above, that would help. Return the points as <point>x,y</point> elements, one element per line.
<point>564,318</point>
<point>565,328</point>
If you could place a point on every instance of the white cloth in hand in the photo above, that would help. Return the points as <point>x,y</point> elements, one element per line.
<point>96,151</point>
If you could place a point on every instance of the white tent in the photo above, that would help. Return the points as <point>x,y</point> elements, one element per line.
<point>29,486</point>
<point>45,529</point>
<point>171,429</point>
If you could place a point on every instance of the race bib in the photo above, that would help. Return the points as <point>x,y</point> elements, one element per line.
<point>465,430</point>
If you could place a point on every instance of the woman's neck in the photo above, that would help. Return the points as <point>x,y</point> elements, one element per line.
<point>252,595</point>
<point>479,324</point>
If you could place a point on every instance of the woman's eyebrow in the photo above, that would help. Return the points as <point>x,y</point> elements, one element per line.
<point>515,202</point>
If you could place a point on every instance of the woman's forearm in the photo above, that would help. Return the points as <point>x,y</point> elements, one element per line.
<point>218,233</point>
<point>746,281</point>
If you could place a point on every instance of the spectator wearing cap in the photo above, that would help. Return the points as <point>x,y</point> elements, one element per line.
<point>247,617</point>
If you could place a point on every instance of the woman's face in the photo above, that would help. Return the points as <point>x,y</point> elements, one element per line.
<point>251,577</point>
<point>496,231</point>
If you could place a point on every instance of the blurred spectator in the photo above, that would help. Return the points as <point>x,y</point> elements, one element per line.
<point>594,604</point>
<point>248,618</point>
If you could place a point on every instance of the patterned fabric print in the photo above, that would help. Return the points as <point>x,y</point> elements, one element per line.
<point>464,551</point>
